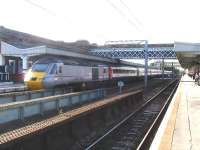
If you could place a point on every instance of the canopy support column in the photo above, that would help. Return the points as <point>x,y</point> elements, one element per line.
<point>25,62</point>
<point>172,70</point>
<point>163,68</point>
<point>146,64</point>
<point>2,60</point>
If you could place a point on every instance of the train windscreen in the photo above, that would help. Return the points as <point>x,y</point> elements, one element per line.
<point>40,67</point>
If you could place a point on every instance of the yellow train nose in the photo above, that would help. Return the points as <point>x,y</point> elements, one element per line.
<point>35,81</point>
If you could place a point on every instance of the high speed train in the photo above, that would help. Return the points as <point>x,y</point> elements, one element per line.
<point>49,73</point>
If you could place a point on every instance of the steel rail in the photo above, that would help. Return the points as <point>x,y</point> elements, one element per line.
<point>146,139</point>
<point>92,146</point>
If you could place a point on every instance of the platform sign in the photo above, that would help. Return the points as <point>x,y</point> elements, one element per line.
<point>120,84</point>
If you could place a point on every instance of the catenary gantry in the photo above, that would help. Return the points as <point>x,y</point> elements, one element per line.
<point>139,49</point>
<point>136,53</point>
<point>188,54</point>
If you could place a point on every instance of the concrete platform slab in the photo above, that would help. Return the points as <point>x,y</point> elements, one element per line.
<point>180,128</point>
<point>11,87</point>
<point>6,83</point>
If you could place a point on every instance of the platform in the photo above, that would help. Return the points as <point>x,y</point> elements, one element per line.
<point>11,87</point>
<point>180,128</point>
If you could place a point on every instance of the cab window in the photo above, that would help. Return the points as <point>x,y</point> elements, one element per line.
<point>40,67</point>
<point>54,69</point>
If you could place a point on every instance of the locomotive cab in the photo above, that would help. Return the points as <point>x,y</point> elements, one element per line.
<point>42,75</point>
<point>54,76</point>
<point>35,75</point>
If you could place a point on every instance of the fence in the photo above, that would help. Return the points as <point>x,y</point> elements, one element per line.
<point>4,77</point>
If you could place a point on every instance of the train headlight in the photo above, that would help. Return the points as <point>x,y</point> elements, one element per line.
<point>28,76</point>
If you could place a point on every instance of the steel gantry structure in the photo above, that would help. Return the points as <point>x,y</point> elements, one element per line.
<point>136,53</point>
<point>140,50</point>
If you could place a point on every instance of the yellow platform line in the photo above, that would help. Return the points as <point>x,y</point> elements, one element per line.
<point>167,138</point>
<point>164,136</point>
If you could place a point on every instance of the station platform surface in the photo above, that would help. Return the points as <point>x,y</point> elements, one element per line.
<point>180,128</point>
<point>11,87</point>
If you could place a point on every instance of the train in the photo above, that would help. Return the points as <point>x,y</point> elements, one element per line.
<point>54,72</point>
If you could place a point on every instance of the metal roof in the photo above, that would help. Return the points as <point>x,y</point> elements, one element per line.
<point>188,54</point>
<point>9,50</point>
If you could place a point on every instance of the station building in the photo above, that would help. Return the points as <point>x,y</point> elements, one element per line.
<point>14,61</point>
<point>18,51</point>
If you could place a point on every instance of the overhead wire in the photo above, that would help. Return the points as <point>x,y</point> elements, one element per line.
<point>136,19</point>
<point>136,23</point>
<point>53,13</point>
<point>131,13</point>
<point>130,21</point>
<point>41,7</point>
<point>123,14</point>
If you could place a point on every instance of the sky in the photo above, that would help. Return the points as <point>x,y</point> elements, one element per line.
<point>158,21</point>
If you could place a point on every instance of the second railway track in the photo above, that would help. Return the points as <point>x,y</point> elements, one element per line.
<point>81,125</point>
<point>136,130</point>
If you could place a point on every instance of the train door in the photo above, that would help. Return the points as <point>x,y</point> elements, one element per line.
<point>59,73</point>
<point>55,73</point>
<point>105,73</point>
<point>95,74</point>
<point>110,72</point>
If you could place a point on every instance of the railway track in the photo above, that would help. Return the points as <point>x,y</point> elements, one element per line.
<point>44,96</point>
<point>137,129</point>
<point>96,112</point>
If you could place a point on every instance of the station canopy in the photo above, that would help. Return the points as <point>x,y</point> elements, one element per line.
<point>10,50</point>
<point>188,54</point>
<point>44,51</point>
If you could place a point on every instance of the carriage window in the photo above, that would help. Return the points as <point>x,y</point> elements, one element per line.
<point>104,70</point>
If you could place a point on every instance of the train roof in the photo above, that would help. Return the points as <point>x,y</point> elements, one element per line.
<point>68,61</point>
